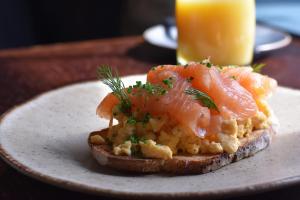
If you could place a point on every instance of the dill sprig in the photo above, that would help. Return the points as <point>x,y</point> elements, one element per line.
<point>206,62</point>
<point>153,89</point>
<point>134,139</point>
<point>168,82</point>
<point>258,67</point>
<point>131,120</point>
<point>203,97</point>
<point>113,81</point>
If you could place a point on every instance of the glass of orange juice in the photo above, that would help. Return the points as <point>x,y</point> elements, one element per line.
<point>223,30</point>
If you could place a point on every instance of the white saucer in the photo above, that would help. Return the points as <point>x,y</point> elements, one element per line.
<point>267,39</point>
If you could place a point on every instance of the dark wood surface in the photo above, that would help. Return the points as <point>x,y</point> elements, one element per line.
<point>27,72</point>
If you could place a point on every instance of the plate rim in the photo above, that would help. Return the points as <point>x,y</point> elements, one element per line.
<point>257,49</point>
<point>78,187</point>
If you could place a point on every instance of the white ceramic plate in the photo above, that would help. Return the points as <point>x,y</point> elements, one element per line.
<point>267,39</point>
<point>46,138</point>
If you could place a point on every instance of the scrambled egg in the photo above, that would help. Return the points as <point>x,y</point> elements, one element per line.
<point>159,138</point>
<point>150,149</point>
<point>229,143</point>
<point>123,149</point>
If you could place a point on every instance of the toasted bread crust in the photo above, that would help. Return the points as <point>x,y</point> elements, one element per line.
<point>181,164</point>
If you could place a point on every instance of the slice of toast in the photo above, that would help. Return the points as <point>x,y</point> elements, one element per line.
<point>181,164</point>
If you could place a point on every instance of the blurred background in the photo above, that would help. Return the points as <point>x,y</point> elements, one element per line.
<point>30,22</point>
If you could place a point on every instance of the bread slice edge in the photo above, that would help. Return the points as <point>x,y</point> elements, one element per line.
<point>181,164</point>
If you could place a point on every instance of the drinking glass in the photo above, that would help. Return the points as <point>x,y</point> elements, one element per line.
<point>223,30</point>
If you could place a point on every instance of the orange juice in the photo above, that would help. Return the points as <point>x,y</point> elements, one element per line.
<point>223,30</point>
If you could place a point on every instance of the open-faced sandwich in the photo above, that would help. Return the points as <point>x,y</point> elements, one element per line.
<point>194,118</point>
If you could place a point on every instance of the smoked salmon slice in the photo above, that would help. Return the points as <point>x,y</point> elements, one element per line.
<point>232,99</point>
<point>258,85</point>
<point>235,92</point>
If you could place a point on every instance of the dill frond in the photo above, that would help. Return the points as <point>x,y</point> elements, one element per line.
<point>203,97</point>
<point>113,81</point>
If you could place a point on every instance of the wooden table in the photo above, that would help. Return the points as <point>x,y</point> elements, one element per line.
<point>27,72</point>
